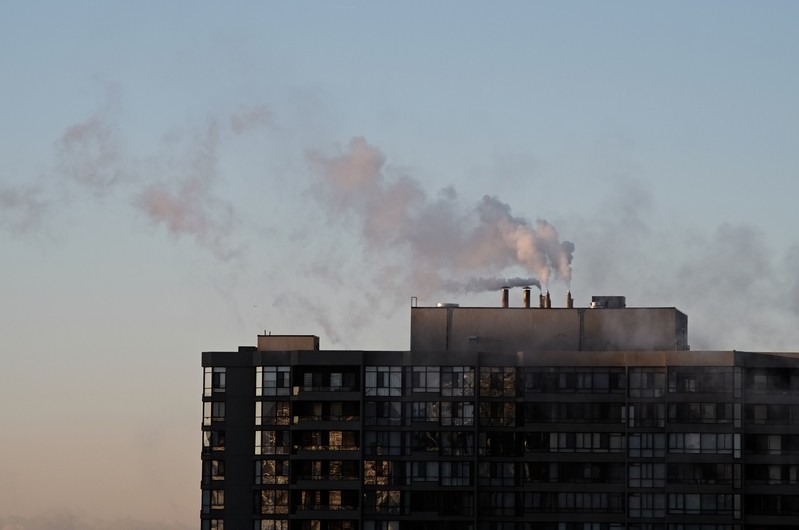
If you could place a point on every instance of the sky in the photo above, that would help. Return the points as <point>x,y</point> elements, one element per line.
<point>179,179</point>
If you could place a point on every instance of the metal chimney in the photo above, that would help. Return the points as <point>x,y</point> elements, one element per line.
<point>541,301</point>
<point>569,300</point>
<point>526,297</point>
<point>547,300</point>
<point>505,291</point>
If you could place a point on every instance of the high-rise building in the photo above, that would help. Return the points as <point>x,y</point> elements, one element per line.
<point>504,418</point>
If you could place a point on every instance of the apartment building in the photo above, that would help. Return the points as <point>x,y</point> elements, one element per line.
<point>503,418</point>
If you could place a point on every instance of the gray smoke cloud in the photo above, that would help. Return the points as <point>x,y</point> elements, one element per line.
<point>250,118</point>
<point>90,152</point>
<point>477,285</point>
<point>440,236</point>
<point>21,208</point>
<point>187,206</point>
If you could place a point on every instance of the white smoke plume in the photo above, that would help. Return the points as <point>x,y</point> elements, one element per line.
<point>186,206</point>
<point>477,285</point>
<point>441,237</point>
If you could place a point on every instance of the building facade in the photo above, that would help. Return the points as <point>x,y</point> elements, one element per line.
<point>595,418</point>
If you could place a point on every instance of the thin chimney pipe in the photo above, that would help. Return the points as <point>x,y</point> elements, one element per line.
<point>505,291</point>
<point>526,297</point>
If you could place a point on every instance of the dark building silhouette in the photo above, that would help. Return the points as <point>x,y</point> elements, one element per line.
<point>508,418</point>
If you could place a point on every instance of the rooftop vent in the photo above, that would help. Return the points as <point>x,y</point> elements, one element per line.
<point>608,302</point>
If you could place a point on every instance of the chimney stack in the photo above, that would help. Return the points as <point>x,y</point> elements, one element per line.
<point>541,301</point>
<point>569,300</point>
<point>505,296</point>
<point>547,301</point>
<point>526,297</point>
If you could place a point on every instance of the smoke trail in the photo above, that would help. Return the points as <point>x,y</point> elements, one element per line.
<point>476,285</point>
<point>20,208</point>
<point>440,236</point>
<point>89,152</point>
<point>251,118</point>
<point>187,206</point>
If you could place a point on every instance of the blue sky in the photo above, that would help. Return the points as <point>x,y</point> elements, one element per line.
<point>167,186</point>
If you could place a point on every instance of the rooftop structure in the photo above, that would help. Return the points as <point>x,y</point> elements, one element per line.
<point>503,418</point>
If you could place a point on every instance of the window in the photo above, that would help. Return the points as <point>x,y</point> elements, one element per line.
<point>496,474</point>
<point>646,475</point>
<point>425,379</point>
<point>271,471</point>
<point>213,380</point>
<point>704,412</point>
<point>272,381</point>
<point>647,445</point>
<point>458,443</point>
<point>647,415</point>
<point>702,443</point>
<point>457,381</point>
<point>647,505</point>
<point>271,524</point>
<point>383,413</point>
<point>213,411</point>
<point>383,502</point>
<point>424,411</point>
<point>706,473</point>
<point>496,503</point>
<point>457,413</point>
<point>213,524</point>
<point>421,472</point>
<point>705,503</point>
<point>701,380</point>
<point>272,413</point>
<point>497,443</point>
<point>213,470</point>
<point>381,525</point>
<point>497,381</point>
<point>383,381</point>
<point>424,441</point>
<point>272,442</point>
<point>382,442</point>
<point>213,500</point>
<point>496,413</point>
<point>273,501</point>
<point>456,473</point>
<point>213,441</point>
<point>378,472</point>
<point>586,442</point>
<point>647,382</point>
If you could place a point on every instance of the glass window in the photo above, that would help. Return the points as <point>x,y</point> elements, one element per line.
<point>498,381</point>
<point>272,381</point>
<point>213,441</point>
<point>425,379</point>
<point>272,413</point>
<point>271,471</point>
<point>383,380</point>
<point>273,501</point>
<point>647,382</point>
<point>213,411</point>
<point>213,470</point>
<point>457,381</point>
<point>213,380</point>
<point>271,524</point>
<point>272,442</point>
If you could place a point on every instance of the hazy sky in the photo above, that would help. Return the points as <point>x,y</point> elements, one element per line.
<point>178,179</point>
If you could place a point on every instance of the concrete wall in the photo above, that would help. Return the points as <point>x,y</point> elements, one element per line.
<point>287,342</point>
<point>494,329</point>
